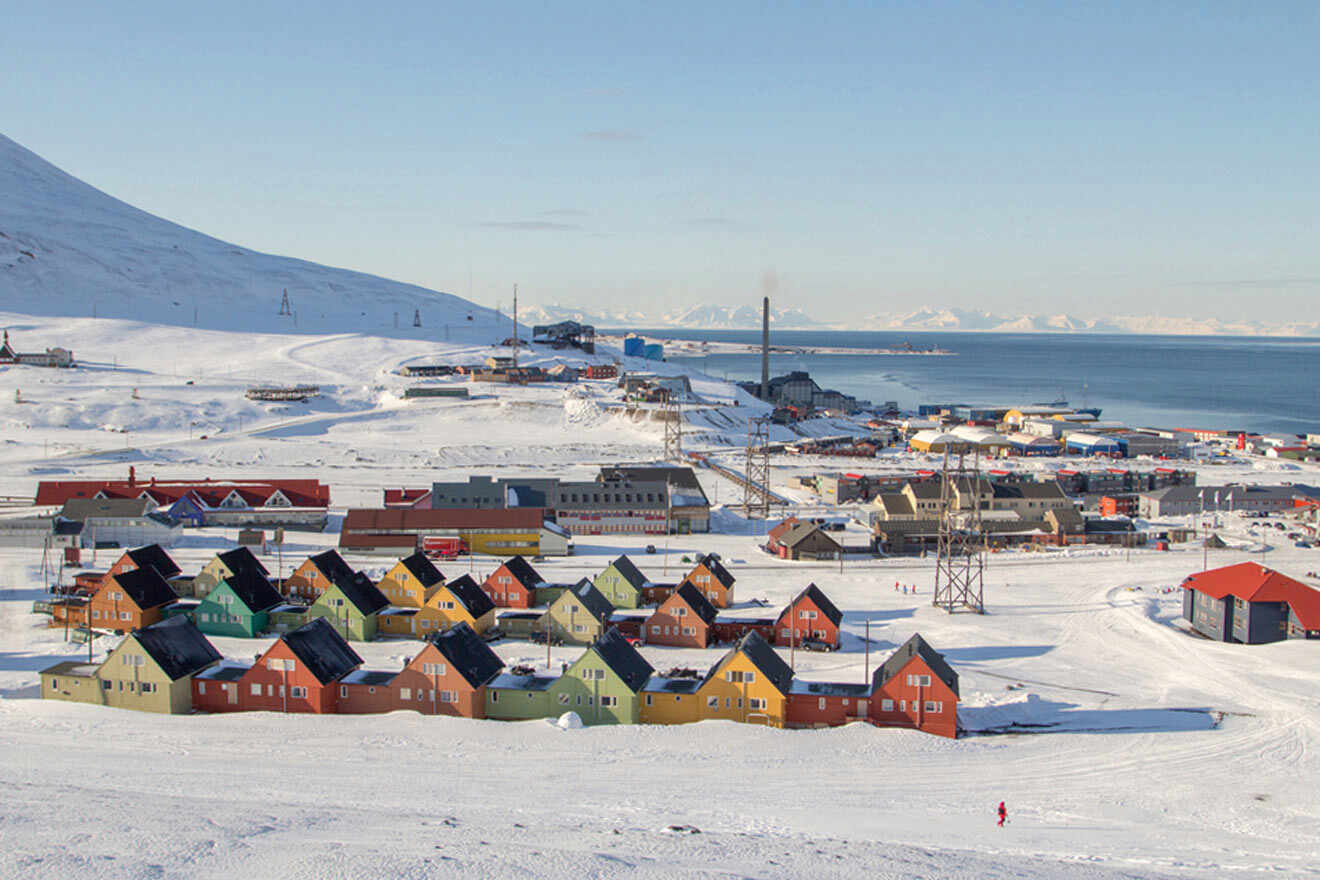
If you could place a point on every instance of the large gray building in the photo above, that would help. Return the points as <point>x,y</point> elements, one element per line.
<point>621,500</point>
<point>1187,500</point>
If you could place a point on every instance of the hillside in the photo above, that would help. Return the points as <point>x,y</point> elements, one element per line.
<point>69,250</point>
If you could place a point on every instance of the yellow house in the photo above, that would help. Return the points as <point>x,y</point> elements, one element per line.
<point>750,684</point>
<point>459,601</point>
<point>150,671</point>
<point>411,585</point>
<point>670,701</point>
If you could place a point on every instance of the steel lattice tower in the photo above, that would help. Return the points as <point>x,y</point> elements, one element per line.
<point>756,488</point>
<point>672,413</point>
<point>960,566</point>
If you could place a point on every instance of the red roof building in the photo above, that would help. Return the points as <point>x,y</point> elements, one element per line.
<point>1250,604</point>
<point>213,493</point>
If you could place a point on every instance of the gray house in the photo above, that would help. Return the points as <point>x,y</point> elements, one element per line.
<point>1251,605</point>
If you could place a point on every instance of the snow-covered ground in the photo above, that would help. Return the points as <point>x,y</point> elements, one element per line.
<point>1123,746</point>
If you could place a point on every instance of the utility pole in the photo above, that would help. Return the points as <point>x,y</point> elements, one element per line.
<point>515,326</point>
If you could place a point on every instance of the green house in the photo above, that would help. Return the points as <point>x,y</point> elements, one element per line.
<point>511,697</point>
<point>352,606</point>
<point>621,583</point>
<point>579,616</point>
<point>240,605</point>
<point>602,685</point>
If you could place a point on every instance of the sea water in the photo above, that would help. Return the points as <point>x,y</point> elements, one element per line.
<point>1247,383</point>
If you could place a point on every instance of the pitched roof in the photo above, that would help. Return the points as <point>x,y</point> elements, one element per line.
<point>254,590</point>
<point>81,508</point>
<point>333,566</point>
<point>623,658</point>
<point>523,572</point>
<point>243,559</point>
<point>146,587</point>
<point>152,556</point>
<point>916,646</point>
<point>467,591</point>
<point>1253,582</point>
<point>468,653</point>
<point>324,651</point>
<point>802,531</point>
<point>177,646</point>
<point>756,649</point>
<point>717,569</point>
<point>420,567</point>
<point>630,573</point>
<point>699,604</point>
<point>591,599</point>
<point>820,600</point>
<point>363,594</point>
<point>784,525</point>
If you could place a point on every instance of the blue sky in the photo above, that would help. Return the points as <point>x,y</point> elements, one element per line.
<point>1125,157</point>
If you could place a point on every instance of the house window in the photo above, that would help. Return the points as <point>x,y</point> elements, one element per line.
<point>806,615</point>
<point>96,615</point>
<point>712,702</point>
<point>689,630</point>
<point>256,689</point>
<point>433,668</point>
<point>449,696</point>
<point>609,701</point>
<point>405,693</point>
<point>756,703</point>
<point>918,680</point>
<point>201,687</point>
<point>494,696</point>
<point>820,704</point>
<point>655,630</point>
<point>786,633</point>
<point>123,615</point>
<point>55,683</point>
<point>934,707</point>
<point>680,612</point>
<point>563,699</point>
<point>343,691</point>
<point>298,693</point>
<point>648,699</point>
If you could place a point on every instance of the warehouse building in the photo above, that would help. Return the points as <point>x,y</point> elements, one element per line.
<point>503,532</point>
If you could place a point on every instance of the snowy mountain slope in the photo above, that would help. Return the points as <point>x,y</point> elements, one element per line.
<point>68,249</point>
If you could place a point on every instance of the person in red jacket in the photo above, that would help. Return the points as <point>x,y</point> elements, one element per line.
<point>1003,814</point>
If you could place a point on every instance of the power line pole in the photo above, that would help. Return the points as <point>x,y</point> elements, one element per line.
<point>960,564</point>
<point>756,487</point>
<point>672,414</point>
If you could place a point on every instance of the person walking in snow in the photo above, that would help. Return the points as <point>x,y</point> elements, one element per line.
<point>1003,814</point>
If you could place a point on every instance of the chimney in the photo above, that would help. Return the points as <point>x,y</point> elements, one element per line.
<point>132,476</point>
<point>765,348</point>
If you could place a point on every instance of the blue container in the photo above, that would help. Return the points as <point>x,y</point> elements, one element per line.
<point>634,346</point>
<point>654,351</point>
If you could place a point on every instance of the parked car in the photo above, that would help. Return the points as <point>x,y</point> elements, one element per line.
<point>650,548</point>
<point>540,639</point>
<point>633,640</point>
<point>493,634</point>
<point>817,645</point>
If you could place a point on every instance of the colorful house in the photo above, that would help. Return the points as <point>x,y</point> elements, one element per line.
<point>408,586</point>
<point>916,688</point>
<point>316,575</point>
<point>240,605</point>
<point>579,616</point>
<point>519,695</point>
<point>150,671</point>
<point>448,676</point>
<point>301,672</point>
<point>1250,604</point>
<point>352,606</point>
<point>150,556</point>
<point>713,580</point>
<point>671,700</point>
<point>685,620</point>
<point>460,601</point>
<point>827,703</point>
<point>130,600</point>
<point>811,616</point>
<point>621,583</point>
<point>602,685</point>
<point>513,584</point>
<point>750,684</point>
<point>224,565</point>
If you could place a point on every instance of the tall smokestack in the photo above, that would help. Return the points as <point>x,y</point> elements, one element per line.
<point>765,348</point>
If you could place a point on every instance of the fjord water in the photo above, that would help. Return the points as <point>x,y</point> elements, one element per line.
<point>1249,383</point>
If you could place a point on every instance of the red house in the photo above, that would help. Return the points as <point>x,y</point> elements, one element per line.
<point>448,676</point>
<point>513,584</point>
<point>827,703</point>
<point>811,616</point>
<point>685,620</point>
<point>299,673</point>
<point>916,688</point>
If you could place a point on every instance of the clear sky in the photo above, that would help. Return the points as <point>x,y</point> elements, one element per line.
<point>1133,157</point>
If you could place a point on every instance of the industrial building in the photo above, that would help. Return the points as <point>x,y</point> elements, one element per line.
<point>1187,500</point>
<point>497,532</point>
<point>1250,604</point>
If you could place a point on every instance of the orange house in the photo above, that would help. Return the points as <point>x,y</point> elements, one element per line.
<point>299,673</point>
<point>449,675</point>
<point>316,574</point>
<point>916,688</point>
<point>513,584</point>
<point>129,600</point>
<point>684,620</point>
<point>150,556</point>
<point>811,616</point>
<point>712,580</point>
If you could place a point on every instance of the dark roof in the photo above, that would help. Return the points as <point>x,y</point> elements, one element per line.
<point>243,559</point>
<point>254,590</point>
<point>368,677</point>
<point>661,684</point>
<point>623,658</point>
<point>146,587</point>
<point>678,476</point>
<point>523,572</point>
<point>467,591</point>
<point>624,566</point>
<point>697,602</point>
<point>916,646</point>
<point>820,600</point>
<point>763,657</point>
<point>717,569</point>
<point>597,605</point>
<point>324,651</point>
<point>468,653</point>
<point>152,556</point>
<point>333,566</point>
<point>360,591</point>
<point>420,567</point>
<point>831,688</point>
<point>177,646</point>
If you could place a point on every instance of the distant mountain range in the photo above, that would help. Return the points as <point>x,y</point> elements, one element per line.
<point>748,317</point>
